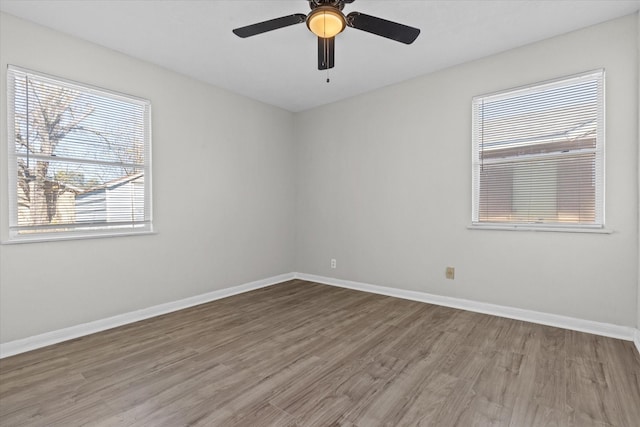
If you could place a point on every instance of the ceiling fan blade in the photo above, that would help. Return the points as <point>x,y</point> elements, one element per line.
<point>270,25</point>
<point>326,51</point>
<point>382,27</point>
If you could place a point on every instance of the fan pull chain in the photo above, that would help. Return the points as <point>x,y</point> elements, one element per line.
<point>326,45</point>
<point>326,55</point>
<point>326,59</point>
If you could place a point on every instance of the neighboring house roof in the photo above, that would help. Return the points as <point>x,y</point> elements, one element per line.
<point>112,184</point>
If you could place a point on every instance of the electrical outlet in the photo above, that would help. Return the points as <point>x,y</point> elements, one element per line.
<point>333,263</point>
<point>450,273</point>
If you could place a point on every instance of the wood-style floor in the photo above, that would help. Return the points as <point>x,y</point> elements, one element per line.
<point>304,354</point>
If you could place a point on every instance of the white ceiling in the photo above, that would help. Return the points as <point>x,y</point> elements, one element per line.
<point>194,37</point>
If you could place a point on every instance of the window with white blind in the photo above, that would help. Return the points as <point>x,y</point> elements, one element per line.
<point>538,155</point>
<point>79,160</point>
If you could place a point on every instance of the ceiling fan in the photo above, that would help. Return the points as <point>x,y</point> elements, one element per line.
<point>326,20</point>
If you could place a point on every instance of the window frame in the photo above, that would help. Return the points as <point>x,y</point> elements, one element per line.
<point>11,230</point>
<point>599,168</point>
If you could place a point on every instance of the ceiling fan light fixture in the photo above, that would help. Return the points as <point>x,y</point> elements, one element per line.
<point>326,22</point>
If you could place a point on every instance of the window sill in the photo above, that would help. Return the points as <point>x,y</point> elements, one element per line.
<point>524,227</point>
<point>78,236</point>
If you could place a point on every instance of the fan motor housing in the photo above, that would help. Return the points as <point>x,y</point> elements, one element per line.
<point>336,4</point>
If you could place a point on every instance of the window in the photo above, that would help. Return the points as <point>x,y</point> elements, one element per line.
<point>79,160</point>
<point>538,155</point>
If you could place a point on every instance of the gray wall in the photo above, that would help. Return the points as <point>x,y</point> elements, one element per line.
<point>223,196</point>
<point>387,191</point>
<point>260,191</point>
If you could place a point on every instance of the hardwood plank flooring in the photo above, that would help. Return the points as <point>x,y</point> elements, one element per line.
<point>305,354</point>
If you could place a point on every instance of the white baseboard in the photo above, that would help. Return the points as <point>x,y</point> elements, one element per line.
<point>605,329</point>
<point>31,343</point>
<point>589,326</point>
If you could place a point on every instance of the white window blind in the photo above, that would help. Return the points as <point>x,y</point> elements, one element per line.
<point>538,155</point>
<point>79,159</point>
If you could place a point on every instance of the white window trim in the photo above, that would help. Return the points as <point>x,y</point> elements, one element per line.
<point>600,171</point>
<point>543,228</point>
<point>11,236</point>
